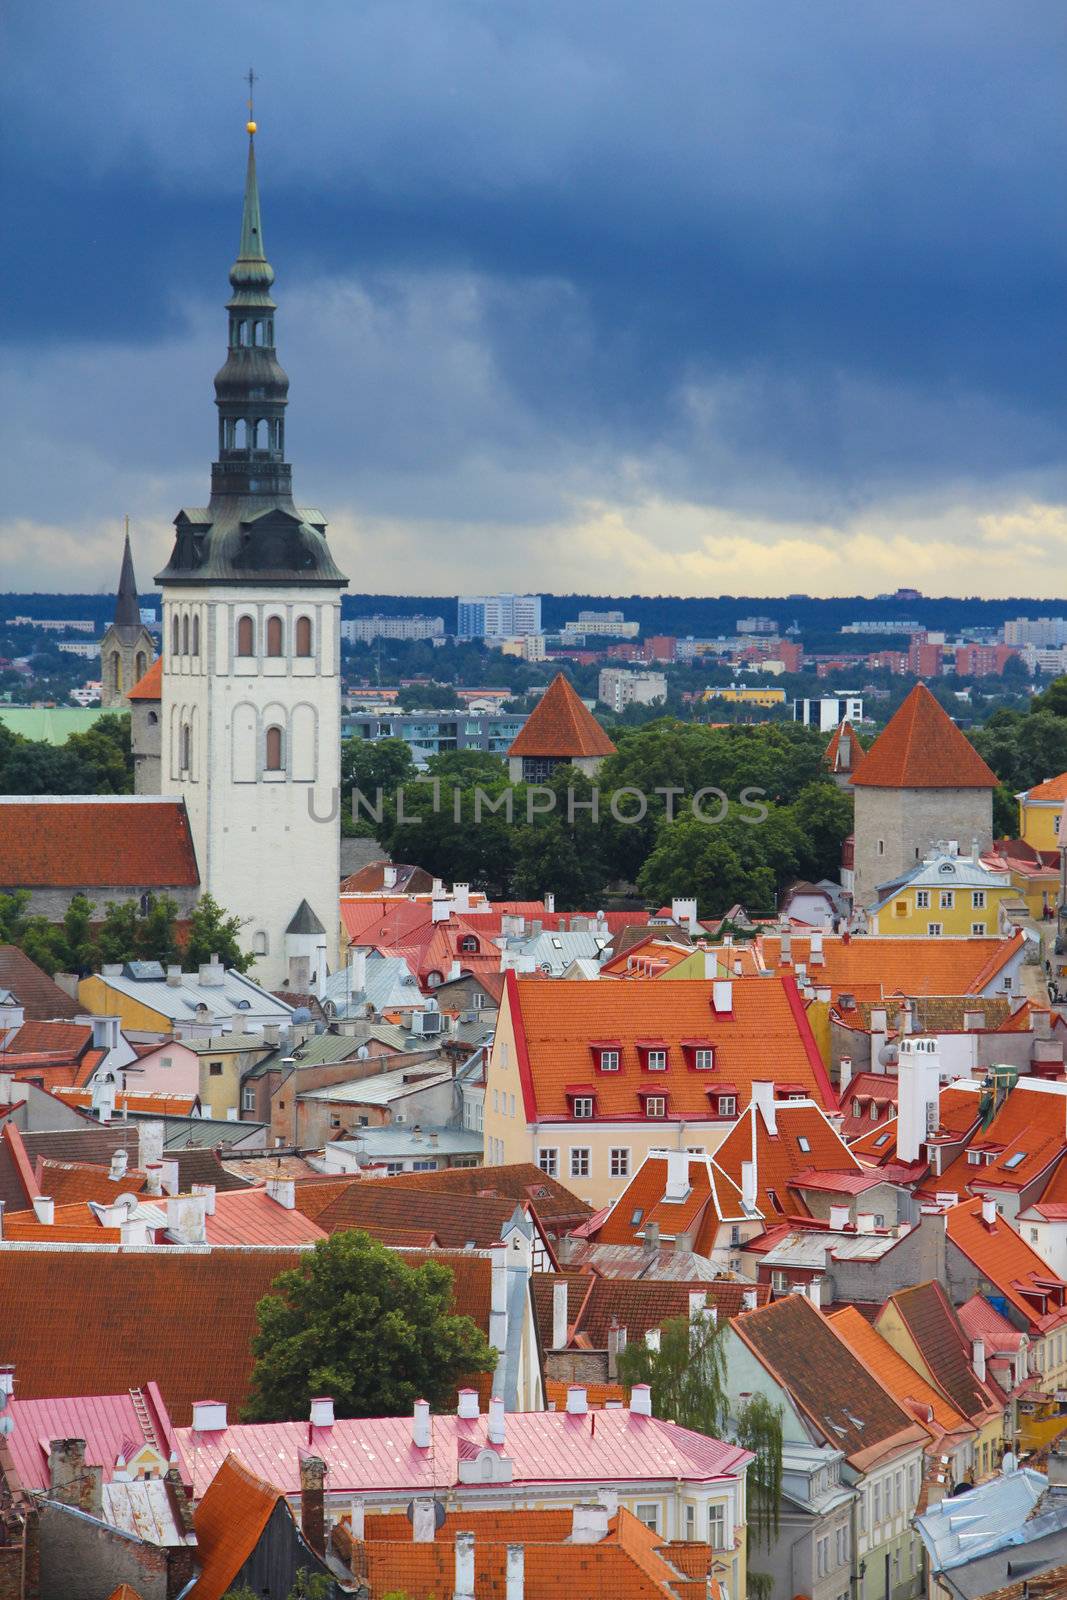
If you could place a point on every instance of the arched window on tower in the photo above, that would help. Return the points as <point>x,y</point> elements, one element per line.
<point>115,672</point>
<point>303,636</point>
<point>246,636</point>
<point>273,761</point>
<point>196,634</point>
<point>274,636</point>
<point>185,636</point>
<point>186,747</point>
<point>141,665</point>
<point>174,636</point>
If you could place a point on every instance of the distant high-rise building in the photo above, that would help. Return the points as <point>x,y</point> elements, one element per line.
<point>756,625</point>
<point>1036,630</point>
<point>497,616</point>
<point>364,630</point>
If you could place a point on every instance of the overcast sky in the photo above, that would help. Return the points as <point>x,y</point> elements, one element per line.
<point>673,296</point>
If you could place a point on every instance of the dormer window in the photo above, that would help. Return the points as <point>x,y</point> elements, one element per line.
<point>607,1054</point>
<point>657,1061</point>
<point>653,1053</point>
<point>699,1054</point>
<point>609,1061</point>
<point>655,1103</point>
<point>582,1105</point>
<point>582,1099</point>
<point>468,944</point>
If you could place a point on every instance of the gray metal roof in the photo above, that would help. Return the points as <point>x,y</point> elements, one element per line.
<point>967,1526</point>
<point>389,985</point>
<point>235,993</point>
<point>400,1144</point>
<point>381,1089</point>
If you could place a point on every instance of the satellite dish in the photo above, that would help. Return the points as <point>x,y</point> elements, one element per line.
<point>438,1512</point>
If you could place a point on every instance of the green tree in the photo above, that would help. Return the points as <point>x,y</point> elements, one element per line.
<point>105,755</point>
<point>118,931</point>
<point>80,952</point>
<point>13,915</point>
<point>1053,699</point>
<point>687,1374</point>
<point>356,1322</point>
<point>308,1586</point>
<point>759,1429</point>
<point>823,814</point>
<point>212,932</point>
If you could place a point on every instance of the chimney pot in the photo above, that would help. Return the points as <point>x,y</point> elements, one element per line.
<point>989,1212</point>
<point>44,1209</point>
<point>576,1400</point>
<point>497,1423</point>
<point>559,1314</point>
<point>420,1425</point>
<point>464,1589</point>
<point>468,1404</point>
<point>641,1400</point>
<point>423,1521</point>
<point>313,1502</point>
<point>209,1416</point>
<point>589,1523</point>
<point>322,1412</point>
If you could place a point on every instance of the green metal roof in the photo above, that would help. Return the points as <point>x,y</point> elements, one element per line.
<point>50,724</point>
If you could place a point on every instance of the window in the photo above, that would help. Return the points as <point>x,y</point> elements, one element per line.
<point>978,899</point>
<point>977,930</point>
<point>468,944</point>
<point>655,1105</point>
<point>619,1163</point>
<point>496,1099</point>
<point>727,1105</point>
<point>900,908</point>
<point>583,1105</point>
<point>196,635</point>
<point>166,1061</point>
<point>657,1061</point>
<point>609,1061</point>
<point>478,1000</point>
<point>274,636</point>
<point>273,760</point>
<point>174,637</point>
<point>248,1099</point>
<point>690,1522</point>
<point>717,1527</point>
<point>805,1144</point>
<point>876,1512</point>
<point>302,636</point>
<point>735,1235</point>
<point>898,1486</point>
<point>580,1161</point>
<point>947,899</point>
<point>335,1122</point>
<point>933,930</point>
<point>922,899</point>
<point>214,1069</point>
<point>881,847</point>
<point>511,1105</point>
<point>548,1161</point>
<point>1015,1161</point>
<point>187,747</point>
<point>185,636</point>
<point>246,636</point>
<point>779,1282</point>
<point>874,1111</point>
<point>649,1515</point>
<point>703,1060</point>
<point>822,1556</point>
<point>1033,1235</point>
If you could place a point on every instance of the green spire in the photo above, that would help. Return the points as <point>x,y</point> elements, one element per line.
<point>251,269</point>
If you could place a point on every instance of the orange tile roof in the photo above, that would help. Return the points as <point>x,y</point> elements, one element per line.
<point>561,726</point>
<point>649,958</point>
<point>230,1521</point>
<point>874,969</point>
<point>118,843</point>
<point>71,1224</point>
<point>780,1157</point>
<point>557,1208</point>
<point>901,1379</point>
<point>712,1198</point>
<point>959,1110</point>
<point>1051,789</point>
<point>49,1038</point>
<point>597,1395</point>
<point>250,1216</point>
<point>922,748</point>
<point>1026,1136</point>
<point>174,1105</point>
<point>832,756</point>
<point>1014,1270</point>
<point>150,686</point>
<point>557,1026</point>
<point>69,1182</point>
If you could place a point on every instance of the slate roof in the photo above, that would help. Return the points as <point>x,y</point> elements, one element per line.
<point>114,841</point>
<point>938,1334</point>
<point>922,748</point>
<point>557,1026</point>
<point>304,920</point>
<point>40,998</point>
<point>560,726</point>
<point>845,1403</point>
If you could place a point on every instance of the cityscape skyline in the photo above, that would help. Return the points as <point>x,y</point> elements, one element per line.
<point>793,313</point>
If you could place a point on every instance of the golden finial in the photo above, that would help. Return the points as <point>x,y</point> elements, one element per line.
<point>251,124</point>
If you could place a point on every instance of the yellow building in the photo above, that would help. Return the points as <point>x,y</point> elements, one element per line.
<point>1040,812</point>
<point>740,694</point>
<point>947,896</point>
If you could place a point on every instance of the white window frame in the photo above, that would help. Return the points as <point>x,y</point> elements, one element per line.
<point>717,1525</point>
<point>583,1107</point>
<point>657,1101</point>
<point>978,930</point>
<point>922,899</point>
<point>947,900</point>
<point>609,1061</point>
<point>704,1060</point>
<point>727,1105</point>
<point>978,900</point>
<point>619,1161</point>
<point>248,1099</point>
<point>779,1282</point>
<point>548,1160</point>
<point>657,1061</point>
<point>934,930</point>
<point>581,1162</point>
<point>648,1513</point>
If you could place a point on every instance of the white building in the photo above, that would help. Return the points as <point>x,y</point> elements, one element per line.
<point>364,630</point>
<point>619,688</point>
<point>497,616</point>
<point>251,653</point>
<point>828,711</point>
<point>603,624</point>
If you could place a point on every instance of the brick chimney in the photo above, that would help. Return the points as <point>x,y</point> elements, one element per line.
<point>71,1480</point>
<point>313,1502</point>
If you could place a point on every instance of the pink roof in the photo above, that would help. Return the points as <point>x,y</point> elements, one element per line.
<point>980,1320</point>
<point>250,1216</point>
<point>109,1424</point>
<point>377,1454</point>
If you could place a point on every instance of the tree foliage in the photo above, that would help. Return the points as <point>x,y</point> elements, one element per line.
<point>687,1374</point>
<point>128,931</point>
<point>759,1429</point>
<point>213,933</point>
<point>356,1322</point>
<point>98,761</point>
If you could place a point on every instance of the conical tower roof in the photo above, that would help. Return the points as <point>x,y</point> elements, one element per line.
<point>922,748</point>
<point>127,605</point>
<point>561,727</point>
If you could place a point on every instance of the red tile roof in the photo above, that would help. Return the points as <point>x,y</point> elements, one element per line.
<point>119,843</point>
<point>922,748</point>
<point>1026,1137</point>
<point>250,1216</point>
<point>594,1303</point>
<point>39,997</point>
<point>781,1158</point>
<point>71,1224</point>
<point>557,1024</point>
<point>371,879</point>
<point>838,760</point>
<point>1051,789</point>
<point>150,686</point>
<point>70,1182</point>
<point>230,1521</point>
<point>1007,1261</point>
<point>880,969</point>
<point>557,1208</point>
<point>172,1105</point>
<point>713,1197</point>
<point>943,1345</point>
<point>560,726</point>
<point>906,1385</point>
<point>458,1220</point>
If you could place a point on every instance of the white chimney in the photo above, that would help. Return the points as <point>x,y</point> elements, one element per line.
<point>763,1100</point>
<point>420,1425</point>
<point>174,977</point>
<point>865,1222</point>
<point>207,1193</point>
<point>119,1162</point>
<point>641,1400</point>
<point>154,1183</point>
<point>677,1186</point>
<point>698,1303</point>
<point>44,1209</point>
<point>786,948</point>
<point>589,1523</point>
<point>211,974</point>
<point>468,1404</point>
<point>711,964</point>
<point>918,1095</point>
<point>989,1211</point>
<point>389,876</point>
<point>461,898</point>
<point>133,1233</point>
<point>815,1291</point>
<point>209,1416</point>
<point>357,970</point>
<point>576,1400</point>
<point>149,1143</point>
<point>815,955</point>
<point>748,1300</point>
<point>559,1314</point>
<point>283,1191</point>
<point>185,1219</point>
<point>358,1514</point>
<point>6,1083</point>
<point>838,1218</point>
<point>684,912</point>
<point>844,1074</point>
<point>464,1589</point>
<point>748,1185</point>
<point>170,1176</point>
<point>423,1521</point>
<point>440,911</point>
<point>722,996</point>
<point>978,1358</point>
<point>497,1423</point>
<point>322,1412</point>
<point>514,1572</point>
<point>498,1304</point>
<point>879,1020</point>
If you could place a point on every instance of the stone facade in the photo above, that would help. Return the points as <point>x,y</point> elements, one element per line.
<point>146,741</point>
<point>52,903</point>
<point>896,828</point>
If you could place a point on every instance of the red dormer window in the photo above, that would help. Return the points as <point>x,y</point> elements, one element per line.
<point>582,1100</point>
<point>654,1102</point>
<point>654,1053</point>
<point>699,1054</point>
<point>722,1100</point>
<point>607,1054</point>
<point>468,944</point>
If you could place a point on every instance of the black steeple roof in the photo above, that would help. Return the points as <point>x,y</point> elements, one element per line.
<point>251,530</point>
<point>127,606</point>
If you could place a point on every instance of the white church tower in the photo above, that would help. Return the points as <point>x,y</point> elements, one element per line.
<point>251,709</point>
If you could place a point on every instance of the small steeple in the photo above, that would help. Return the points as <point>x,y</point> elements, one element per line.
<point>127,606</point>
<point>251,269</point>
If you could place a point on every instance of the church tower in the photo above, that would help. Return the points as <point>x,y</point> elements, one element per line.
<point>127,648</point>
<point>251,706</point>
